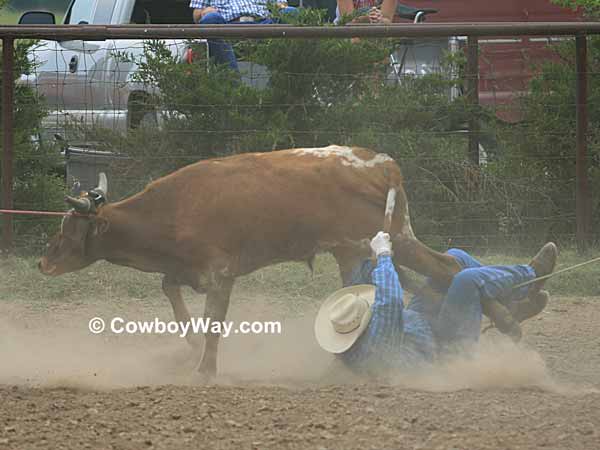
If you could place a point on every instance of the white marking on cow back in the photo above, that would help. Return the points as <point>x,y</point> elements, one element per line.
<point>345,154</point>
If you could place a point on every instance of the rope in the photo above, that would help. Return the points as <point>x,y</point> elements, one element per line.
<point>545,277</point>
<point>40,213</point>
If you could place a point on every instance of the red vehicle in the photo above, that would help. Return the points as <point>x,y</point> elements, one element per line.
<point>507,63</point>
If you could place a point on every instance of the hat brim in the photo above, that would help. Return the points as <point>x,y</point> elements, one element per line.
<point>326,336</point>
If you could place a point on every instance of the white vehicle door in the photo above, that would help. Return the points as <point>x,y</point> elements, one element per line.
<point>80,64</point>
<point>126,97</point>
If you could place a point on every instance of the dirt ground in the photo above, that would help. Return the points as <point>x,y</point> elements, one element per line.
<point>64,388</point>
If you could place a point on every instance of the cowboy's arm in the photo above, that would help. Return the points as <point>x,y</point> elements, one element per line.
<point>384,277</point>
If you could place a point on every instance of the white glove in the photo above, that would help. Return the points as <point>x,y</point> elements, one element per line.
<point>381,244</point>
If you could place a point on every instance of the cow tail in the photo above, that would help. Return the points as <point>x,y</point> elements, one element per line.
<point>399,219</point>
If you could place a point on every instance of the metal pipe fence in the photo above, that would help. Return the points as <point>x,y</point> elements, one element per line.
<point>449,181</point>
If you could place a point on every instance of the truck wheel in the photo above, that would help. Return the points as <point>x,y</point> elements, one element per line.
<point>148,120</point>
<point>141,114</point>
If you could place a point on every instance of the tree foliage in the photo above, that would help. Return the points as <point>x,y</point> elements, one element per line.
<point>541,149</point>
<point>591,8</point>
<point>38,181</point>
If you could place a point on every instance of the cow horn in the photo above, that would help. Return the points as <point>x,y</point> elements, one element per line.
<point>102,183</point>
<point>76,188</point>
<point>81,205</point>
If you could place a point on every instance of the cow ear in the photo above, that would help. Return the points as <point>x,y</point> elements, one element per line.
<point>101,226</point>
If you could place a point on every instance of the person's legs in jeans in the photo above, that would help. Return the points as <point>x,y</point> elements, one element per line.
<point>499,310</point>
<point>221,51</point>
<point>459,320</point>
<point>290,11</point>
<point>428,300</point>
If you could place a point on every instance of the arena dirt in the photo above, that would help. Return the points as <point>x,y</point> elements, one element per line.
<point>61,387</point>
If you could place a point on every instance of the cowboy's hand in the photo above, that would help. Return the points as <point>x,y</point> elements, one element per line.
<point>375,15</point>
<point>381,244</point>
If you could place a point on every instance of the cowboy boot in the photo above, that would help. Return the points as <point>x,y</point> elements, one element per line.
<point>502,318</point>
<point>530,306</point>
<point>543,263</point>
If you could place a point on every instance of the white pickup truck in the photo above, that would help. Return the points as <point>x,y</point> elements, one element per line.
<point>86,80</point>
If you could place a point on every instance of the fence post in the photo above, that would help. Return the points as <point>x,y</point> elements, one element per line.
<point>473,97</point>
<point>8,82</point>
<point>582,197</point>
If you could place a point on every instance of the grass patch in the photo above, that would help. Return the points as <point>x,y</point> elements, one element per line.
<point>289,283</point>
<point>20,281</point>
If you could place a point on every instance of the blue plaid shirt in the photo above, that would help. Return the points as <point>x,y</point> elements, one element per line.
<point>396,338</point>
<point>233,9</point>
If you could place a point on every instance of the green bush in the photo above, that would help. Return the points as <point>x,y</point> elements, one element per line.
<point>38,181</point>
<point>540,150</point>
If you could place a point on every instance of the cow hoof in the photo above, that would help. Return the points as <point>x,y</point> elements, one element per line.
<point>201,378</point>
<point>196,341</point>
<point>196,357</point>
<point>205,373</point>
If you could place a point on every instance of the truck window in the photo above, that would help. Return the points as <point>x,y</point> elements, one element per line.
<point>104,11</point>
<point>81,12</point>
<point>161,11</point>
<point>97,12</point>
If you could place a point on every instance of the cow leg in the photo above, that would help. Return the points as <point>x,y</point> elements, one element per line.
<point>411,253</point>
<point>347,259</point>
<point>173,292</point>
<point>215,309</point>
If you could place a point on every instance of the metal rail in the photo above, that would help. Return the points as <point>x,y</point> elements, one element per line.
<point>8,89</point>
<point>583,199</point>
<point>472,94</point>
<point>92,32</point>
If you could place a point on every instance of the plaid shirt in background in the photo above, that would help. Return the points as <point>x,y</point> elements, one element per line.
<point>395,338</point>
<point>233,9</point>
<point>358,4</point>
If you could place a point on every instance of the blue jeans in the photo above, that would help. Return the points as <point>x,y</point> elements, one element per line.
<point>459,318</point>
<point>221,51</point>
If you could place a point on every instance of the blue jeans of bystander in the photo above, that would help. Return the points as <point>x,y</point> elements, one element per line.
<point>222,51</point>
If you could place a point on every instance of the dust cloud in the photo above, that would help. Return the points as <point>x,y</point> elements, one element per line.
<point>498,363</point>
<point>63,353</point>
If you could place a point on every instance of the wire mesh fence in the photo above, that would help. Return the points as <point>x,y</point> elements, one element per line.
<point>140,109</point>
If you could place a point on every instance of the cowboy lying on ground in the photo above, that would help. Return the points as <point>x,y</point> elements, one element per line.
<point>370,330</point>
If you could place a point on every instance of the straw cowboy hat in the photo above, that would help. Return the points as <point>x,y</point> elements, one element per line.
<point>343,317</point>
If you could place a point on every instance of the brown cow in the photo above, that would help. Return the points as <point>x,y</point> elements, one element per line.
<point>214,220</point>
